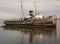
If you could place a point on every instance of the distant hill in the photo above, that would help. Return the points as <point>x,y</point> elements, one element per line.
<point>58,18</point>
<point>13,19</point>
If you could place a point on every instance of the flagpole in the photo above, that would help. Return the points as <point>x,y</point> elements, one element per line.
<point>22,9</point>
<point>35,7</point>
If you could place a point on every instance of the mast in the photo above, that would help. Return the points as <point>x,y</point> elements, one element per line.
<point>35,6</point>
<point>22,9</point>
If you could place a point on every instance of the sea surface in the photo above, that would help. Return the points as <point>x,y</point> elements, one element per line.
<point>30,36</point>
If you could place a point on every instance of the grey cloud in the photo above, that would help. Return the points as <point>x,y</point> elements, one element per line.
<point>45,6</point>
<point>38,0</point>
<point>10,10</point>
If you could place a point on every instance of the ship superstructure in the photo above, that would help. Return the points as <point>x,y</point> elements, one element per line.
<point>35,21</point>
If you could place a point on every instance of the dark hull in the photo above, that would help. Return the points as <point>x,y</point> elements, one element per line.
<point>30,26</point>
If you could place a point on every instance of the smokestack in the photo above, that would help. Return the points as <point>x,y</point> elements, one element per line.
<point>31,13</point>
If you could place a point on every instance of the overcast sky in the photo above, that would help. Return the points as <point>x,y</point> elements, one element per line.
<point>12,8</point>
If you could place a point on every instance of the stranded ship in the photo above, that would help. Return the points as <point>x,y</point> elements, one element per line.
<point>37,20</point>
<point>34,20</point>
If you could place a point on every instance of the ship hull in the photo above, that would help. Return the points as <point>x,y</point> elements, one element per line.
<point>31,25</point>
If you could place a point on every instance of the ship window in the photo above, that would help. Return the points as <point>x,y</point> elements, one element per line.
<point>35,20</point>
<point>50,16</point>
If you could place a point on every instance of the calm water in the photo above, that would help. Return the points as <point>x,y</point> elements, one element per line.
<point>30,36</point>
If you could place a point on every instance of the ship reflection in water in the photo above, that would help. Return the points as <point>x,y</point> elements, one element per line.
<point>36,36</point>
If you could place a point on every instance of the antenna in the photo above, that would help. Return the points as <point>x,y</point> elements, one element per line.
<point>35,6</point>
<point>22,9</point>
